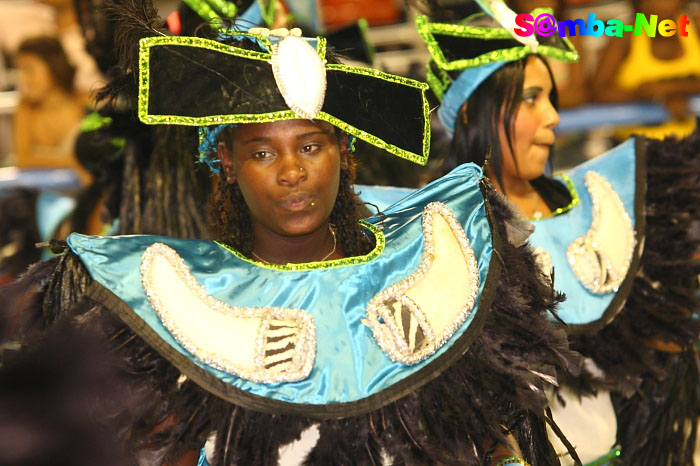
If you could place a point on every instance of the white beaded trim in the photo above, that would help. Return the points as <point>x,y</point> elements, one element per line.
<point>304,351</point>
<point>588,259</point>
<point>389,337</point>
<point>543,260</point>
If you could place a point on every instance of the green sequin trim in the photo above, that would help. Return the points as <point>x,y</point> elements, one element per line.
<point>434,82</point>
<point>94,121</point>
<point>363,26</point>
<point>321,47</point>
<point>513,460</point>
<point>574,199</point>
<point>145,117</point>
<point>427,29</point>
<point>380,243</point>
<point>268,11</point>
<point>213,10</point>
<point>607,459</point>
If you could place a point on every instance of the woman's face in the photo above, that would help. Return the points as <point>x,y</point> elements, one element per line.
<point>288,173</point>
<point>532,133</point>
<point>35,79</point>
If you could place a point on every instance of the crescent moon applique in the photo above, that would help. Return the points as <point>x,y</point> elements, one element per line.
<point>601,257</point>
<point>413,318</point>
<point>260,344</point>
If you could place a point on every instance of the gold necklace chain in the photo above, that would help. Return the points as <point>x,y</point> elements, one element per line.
<point>335,245</point>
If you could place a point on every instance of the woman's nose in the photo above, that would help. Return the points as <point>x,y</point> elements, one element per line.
<point>292,170</point>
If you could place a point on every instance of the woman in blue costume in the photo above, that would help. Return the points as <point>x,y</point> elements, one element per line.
<point>614,233</point>
<point>419,336</point>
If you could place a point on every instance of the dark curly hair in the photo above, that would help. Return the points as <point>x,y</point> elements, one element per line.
<point>230,220</point>
<point>229,216</point>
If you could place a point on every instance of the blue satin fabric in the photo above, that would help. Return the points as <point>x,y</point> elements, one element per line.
<point>461,89</point>
<point>349,364</point>
<point>202,460</point>
<point>555,234</point>
<point>381,196</point>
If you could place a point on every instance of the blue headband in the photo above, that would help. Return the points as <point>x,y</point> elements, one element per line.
<point>460,90</point>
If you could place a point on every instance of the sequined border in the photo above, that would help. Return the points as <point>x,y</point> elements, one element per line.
<point>205,10</point>
<point>380,243</point>
<point>594,181</point>
<point>386,333</point>
<point>146,43</point>
<point>304,353</point>
<point>426,29</point>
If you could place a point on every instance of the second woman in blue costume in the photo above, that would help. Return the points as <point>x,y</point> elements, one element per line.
<point>614,231</point>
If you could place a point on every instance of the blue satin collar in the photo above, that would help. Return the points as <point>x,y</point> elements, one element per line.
<point>349,365</point>
<point>619,167</point>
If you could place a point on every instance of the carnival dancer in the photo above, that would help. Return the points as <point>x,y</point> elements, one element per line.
<point>419,336</point>
<point>614,234</point>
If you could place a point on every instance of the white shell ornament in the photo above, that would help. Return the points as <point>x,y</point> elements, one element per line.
<point>300,75</point>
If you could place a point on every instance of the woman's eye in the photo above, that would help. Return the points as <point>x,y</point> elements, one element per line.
<point>308,148</point>
<point>261,154</point>
<point>530,99</point>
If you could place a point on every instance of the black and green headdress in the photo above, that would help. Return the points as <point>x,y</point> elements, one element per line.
<point>464,54</point>
<point>216,13</point>
<point>207,83</point>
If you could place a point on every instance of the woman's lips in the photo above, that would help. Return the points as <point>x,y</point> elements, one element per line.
<point>296,202</point>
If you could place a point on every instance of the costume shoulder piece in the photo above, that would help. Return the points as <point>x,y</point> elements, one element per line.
<point>595,244</point>
<point>323,340</point>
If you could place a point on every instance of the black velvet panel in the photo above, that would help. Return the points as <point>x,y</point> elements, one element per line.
<point>392,112</point>
<point>197,82</point>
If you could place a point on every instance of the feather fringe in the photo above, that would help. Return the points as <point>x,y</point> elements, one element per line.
<point>656,391</point>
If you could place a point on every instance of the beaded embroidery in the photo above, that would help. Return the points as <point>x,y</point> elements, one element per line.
<point>285,339</point>
<point>543,260</point>
<point>408,337</point>
<point>591,256</point>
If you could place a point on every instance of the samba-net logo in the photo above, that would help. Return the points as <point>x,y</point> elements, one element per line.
<point>546,25</point>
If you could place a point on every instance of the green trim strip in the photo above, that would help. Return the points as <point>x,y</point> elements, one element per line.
<point>213,11</point>
<point>607,459</point>
<point>574,199</point>
<point>144,78</point>
<point>268,11</point>
<point>427,30</point>
<point>434,82</point>
<point>94,121</point>
<point>363,26</point>
<point>380,243</point>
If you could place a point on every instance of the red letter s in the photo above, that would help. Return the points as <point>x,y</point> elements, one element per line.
<point>527,27</point>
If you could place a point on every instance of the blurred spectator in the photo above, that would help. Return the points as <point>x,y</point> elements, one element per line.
<point>47,118</point>
<point>88,77</point>
<point>664,69</point>
<point>572,84</point>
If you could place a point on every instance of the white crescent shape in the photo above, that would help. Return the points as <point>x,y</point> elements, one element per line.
<point>413,318</point>
<point>260,344</point>
<point>601,257</point>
